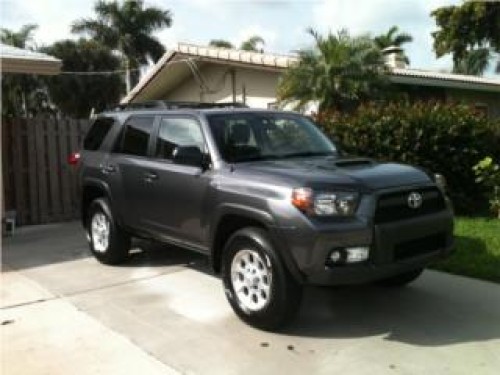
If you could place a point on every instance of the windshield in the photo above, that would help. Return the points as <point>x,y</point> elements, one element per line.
<point>259,136</point>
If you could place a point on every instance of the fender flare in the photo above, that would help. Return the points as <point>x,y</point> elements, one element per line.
<point>95,183</point>
<point>267,221</point>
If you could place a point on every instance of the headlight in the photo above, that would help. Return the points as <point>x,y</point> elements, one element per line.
<point>325,203</point>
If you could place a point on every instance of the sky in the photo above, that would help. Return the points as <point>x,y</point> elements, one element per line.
<point>282,23</point>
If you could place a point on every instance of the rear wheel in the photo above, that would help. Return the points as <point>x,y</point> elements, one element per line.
<point>258,286</point>
<point>401,279</point>
<point>107,241</point>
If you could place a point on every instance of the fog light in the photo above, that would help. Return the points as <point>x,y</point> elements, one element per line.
<point>335,256</point>
<point>357,254</point>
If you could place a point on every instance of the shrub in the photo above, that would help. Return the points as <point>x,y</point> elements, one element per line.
<point>488,174</point>
<point>442,138</point>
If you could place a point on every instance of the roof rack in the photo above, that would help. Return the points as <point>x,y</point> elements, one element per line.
<point>164,104</point>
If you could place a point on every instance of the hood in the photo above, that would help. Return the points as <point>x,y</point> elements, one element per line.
<point>320,173</point>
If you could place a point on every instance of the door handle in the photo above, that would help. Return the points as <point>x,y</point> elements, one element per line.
<point>108,168</point>
<point>150,176</point>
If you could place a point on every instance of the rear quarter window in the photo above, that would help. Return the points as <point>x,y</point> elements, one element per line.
<point>97,132</point>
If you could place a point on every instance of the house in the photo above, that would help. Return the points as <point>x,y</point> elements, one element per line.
<point>197,73</point>
<point>23,61</point>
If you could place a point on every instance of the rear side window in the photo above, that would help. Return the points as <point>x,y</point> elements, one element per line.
<point>98,131</point>
<point>135,136</point>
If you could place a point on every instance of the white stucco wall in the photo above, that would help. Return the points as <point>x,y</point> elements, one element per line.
<point>260,86</point>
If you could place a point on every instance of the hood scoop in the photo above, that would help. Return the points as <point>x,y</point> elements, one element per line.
<point>346,163</point>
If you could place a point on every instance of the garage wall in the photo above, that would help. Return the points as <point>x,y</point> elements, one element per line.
<point>259,86</point>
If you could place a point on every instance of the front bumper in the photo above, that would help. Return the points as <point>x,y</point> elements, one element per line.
<point>395,248</point>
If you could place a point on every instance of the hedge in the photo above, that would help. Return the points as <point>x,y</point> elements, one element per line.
<point>444,138</point>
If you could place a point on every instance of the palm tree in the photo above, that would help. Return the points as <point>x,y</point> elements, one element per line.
<point>252,43</point>
<point>220,43</point>
<point>19,38</point>
<point>127,28</point>
<point>16,88</point>
<point>339,72</point>
<point>393,38</point>
<point>475,62</point>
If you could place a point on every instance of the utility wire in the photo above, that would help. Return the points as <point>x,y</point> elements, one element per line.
<point>101,73</point>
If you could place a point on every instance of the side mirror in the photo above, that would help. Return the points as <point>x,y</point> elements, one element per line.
<point>188,155</point>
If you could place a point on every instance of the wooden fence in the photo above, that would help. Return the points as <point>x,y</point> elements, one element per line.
<point>39,184</point>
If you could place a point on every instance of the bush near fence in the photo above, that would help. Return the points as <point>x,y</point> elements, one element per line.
<point>445,138</point>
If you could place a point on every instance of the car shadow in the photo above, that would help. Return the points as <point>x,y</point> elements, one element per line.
<point>147,253</point>
<point>417,314</point>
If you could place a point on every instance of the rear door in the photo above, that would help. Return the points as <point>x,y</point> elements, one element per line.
<point>125,168</point>
<point>174,194</point>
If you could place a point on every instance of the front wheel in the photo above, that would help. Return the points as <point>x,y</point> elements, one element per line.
<point>107,241</point>
<point>401,279</point>
<point>259,287</point>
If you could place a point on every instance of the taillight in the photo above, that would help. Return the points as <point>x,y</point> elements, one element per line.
<point>74,158</point>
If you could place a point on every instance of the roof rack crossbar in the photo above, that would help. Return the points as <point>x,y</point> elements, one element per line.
<point>164,104</point>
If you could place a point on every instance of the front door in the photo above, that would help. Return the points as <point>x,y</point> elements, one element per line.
<point>175,194</point>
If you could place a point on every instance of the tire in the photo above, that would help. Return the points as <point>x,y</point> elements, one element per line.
<point>272,295</point>
<point>109,246</point>
<point>401,279</point>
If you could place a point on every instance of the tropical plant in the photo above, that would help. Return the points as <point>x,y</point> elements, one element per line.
<point>251,44</point>
<point>488,174</point>
<point>20,91</point>
<point>393,38</point>
<point>338,72</point>
<point>474,62</point>
<point>467,31</point>
<point>127,28</point>
<point>96,86</point>
<point>20,38</point>
<point>220,43</point>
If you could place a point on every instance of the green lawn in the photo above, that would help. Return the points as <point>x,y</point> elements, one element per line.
<point>477,251</point>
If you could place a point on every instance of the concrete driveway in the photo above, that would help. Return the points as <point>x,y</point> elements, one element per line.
<point>164,312</point>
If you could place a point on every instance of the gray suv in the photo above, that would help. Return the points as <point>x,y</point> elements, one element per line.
<point>265,195</point>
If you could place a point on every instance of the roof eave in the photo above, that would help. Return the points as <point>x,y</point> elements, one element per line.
<point>445,83</point>
<point>30,66</point>
<point>162,63</point>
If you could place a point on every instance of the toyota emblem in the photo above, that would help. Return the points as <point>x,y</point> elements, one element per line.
<point>415,200</point>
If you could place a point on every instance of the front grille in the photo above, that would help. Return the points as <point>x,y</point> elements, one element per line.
<point>420,246</point>
<point>394,206</point>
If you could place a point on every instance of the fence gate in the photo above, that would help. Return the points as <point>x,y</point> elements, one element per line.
<point>39,184</point>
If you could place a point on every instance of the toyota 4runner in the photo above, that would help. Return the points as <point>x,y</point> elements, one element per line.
<point>265,195</point>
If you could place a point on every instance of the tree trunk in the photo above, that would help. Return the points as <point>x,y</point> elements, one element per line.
<point>128,83</point>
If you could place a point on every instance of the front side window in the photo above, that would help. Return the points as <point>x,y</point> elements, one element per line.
<point>135,137</point>
<point>175,132</point>
<point>259,136</point>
